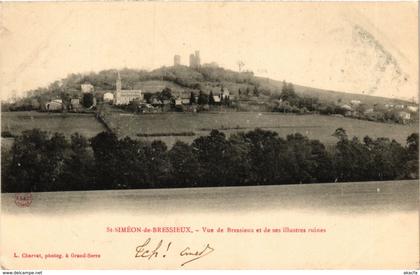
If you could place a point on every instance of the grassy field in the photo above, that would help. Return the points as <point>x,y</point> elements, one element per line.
<point>169,126</point>
<point>85,124</point>
<point>313,126</point>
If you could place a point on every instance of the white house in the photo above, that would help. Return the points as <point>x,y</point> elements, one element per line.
<point>108,97</point>
<point>54,105</point>
<point>346,107</point>
<point>86,88</point>
<point>216,99</point>
<point>225,94</point>
<point>413,108</point>
<point>404,115</point>
<point>75,103</point>
<point>178,101</point>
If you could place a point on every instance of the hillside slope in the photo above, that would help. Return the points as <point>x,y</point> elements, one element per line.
<point>186,79</point>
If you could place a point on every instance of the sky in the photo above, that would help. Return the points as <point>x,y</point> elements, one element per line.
<point>369,48</point>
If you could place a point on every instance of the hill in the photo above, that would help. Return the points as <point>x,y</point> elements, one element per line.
<point>328,95</point>
<point>185,79</point>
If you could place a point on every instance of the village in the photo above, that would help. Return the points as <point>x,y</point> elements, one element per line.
<point>196,97</point>
<point>139,101</point>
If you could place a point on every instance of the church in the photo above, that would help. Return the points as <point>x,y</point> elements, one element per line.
<point>124,97</point>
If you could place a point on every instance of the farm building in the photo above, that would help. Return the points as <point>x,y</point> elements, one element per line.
<point>54,105</point>
<point>108,97</point>
<point>124,97</point>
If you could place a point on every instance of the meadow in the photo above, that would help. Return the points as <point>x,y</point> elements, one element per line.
<point>169,127</point>
<point>66,123</point>
<point>162,125</point>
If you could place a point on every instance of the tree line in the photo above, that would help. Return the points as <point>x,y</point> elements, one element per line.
<point>39,161</point>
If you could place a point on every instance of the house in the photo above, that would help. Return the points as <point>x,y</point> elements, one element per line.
<point>216,99</point>
<point>108,97</point>
<point>368,111</point>
<point>124,97</point>
<point>399,106</point>
<point>225,94</point>
<point>185,101</point>
<point>178,101</point>
<point>75,103</point>
<point>355,102</point>
<point>413,108</point>
<point>404,115</point>
<point>54,105</point>
<point>86,88</point>
<point>346,107</point>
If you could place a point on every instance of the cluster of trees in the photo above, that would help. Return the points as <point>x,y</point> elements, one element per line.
<point>42,162</point>
<point>290,102</point>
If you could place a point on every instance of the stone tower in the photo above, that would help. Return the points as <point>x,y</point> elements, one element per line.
<point>118,88</point>
<point>177,60</point>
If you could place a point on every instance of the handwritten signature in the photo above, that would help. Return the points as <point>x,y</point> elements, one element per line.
<point>148,251</point>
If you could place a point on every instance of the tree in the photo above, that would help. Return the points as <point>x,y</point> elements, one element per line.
<point>321,163</point>
<point>132,164</point>
<point>184,164</point>
<point>239,171</point>
<point>202,98</point>
<point>300,164</point>
<point>288,94</point>
<point>87,100</point>
<point>211,98</point>
<point>38,161</point>
<point>148,97</point>
<point>158,164</point>
<point>192,98</point>
<point>211,152</point>
<point>412,156</point>
<point>267,157</point>
<point>350,159</point>
<point>107,167</point>
<point>66,99</point>
<point>256,91</point>
<point>340,133</point>
<point>165,94</point>
<point>79,167</point>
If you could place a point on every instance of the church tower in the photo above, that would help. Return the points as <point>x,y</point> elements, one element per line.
<point>118,84</point>
<point>118,87</point>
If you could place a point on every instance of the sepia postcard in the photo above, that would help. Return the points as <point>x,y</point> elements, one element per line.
<point>209,135</point>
